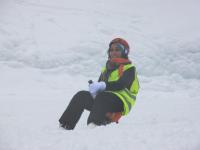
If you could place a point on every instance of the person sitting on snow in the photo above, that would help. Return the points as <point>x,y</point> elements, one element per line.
<point>112,96</point>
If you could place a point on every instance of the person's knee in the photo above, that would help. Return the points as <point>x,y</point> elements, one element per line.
<point>82,97</point>
<point>82,94</point>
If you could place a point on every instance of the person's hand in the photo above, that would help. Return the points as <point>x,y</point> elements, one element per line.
<point>96,87</point>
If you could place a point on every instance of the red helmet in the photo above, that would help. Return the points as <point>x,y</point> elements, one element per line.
<point>121,41</point>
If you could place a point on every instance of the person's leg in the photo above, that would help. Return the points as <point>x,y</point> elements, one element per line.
<point>80,101</point>
<point>104,102</point>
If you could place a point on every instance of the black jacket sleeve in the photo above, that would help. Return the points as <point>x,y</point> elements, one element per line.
<point>124,82</point>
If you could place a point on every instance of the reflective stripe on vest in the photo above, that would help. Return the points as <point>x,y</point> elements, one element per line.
<point>127,96</point>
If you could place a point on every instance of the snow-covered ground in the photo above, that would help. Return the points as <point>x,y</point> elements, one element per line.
<point>50,49</point>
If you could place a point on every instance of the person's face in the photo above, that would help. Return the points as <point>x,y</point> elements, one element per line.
<point>115,51</point>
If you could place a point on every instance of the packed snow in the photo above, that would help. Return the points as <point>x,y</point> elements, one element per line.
<point>50,49</point>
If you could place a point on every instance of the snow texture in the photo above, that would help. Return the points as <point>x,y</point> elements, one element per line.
<point>50,49</point>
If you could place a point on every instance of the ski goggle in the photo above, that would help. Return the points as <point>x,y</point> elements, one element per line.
<point>117,47</point>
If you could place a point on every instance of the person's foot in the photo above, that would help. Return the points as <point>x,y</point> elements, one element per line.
<point>114,116</point>
<point>65,126</point>
<point>92,125</point>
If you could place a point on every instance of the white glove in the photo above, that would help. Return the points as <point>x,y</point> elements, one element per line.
<point>96,87</point>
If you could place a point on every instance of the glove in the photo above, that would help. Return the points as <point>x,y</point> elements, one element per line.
<point>96,87</point>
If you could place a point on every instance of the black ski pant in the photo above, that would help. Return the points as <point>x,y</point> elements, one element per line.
<point>98,107</point>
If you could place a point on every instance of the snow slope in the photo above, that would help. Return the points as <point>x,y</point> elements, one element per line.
<point>50,49</point>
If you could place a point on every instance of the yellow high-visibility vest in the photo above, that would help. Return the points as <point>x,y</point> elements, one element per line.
<point>128,96</point>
